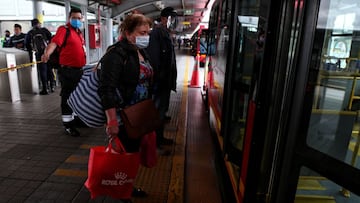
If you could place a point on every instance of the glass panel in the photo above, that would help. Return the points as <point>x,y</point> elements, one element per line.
<point>334,120</point>
<point>250,42</point>
<point>314,188</point>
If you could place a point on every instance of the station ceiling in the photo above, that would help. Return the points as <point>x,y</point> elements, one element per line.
<point>190,12</point>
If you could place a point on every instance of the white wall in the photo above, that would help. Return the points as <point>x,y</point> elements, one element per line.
<point>21,12</point>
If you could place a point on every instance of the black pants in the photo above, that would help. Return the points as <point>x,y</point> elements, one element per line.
<point>162,101</point>
<point>43,72</point>
<point>130,145</point>
<point>51,76</point>
<point>69,78</point>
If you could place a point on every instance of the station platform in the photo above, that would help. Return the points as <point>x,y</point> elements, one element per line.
<point>39,163</point>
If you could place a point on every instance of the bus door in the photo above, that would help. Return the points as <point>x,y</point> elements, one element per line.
<point>320,142</point>
<point>242,87</point>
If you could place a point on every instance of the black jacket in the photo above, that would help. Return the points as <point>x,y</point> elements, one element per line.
<point>18,41</point>
<point>28,41</point>
<point>120,69</point>
<point>162,58</point>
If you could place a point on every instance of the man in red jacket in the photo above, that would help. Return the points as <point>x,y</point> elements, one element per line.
<point>72,59</point>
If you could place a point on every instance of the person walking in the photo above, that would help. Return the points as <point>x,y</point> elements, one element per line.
<point>18,39</point>
<point>36,40</point>
<point>162,57</point>
<point>179,42</point>
<point>72,59</point>
<point>126,70</point>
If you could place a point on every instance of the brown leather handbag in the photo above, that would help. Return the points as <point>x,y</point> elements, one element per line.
<point>140,119</point>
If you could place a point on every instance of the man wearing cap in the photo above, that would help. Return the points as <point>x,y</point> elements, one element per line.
<point>162,55</point>
<point>42,67</point>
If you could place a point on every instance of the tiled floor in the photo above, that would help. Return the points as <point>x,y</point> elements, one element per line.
<point>39,163</point>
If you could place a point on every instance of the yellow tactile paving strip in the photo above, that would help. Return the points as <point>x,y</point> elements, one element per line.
<point>165,182</point>
<point>176,188</point>
<point>304,184</point>
<point>314,199</point>
<point>71,172</point>
<point>77,159</point>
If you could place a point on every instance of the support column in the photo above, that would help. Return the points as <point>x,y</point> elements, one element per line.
<point>67,9</point>
<point>86,34</point>
<point>38,11</point>
<point>109,28</point>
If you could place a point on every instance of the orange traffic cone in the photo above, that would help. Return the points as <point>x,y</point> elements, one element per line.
<point>195,74</point>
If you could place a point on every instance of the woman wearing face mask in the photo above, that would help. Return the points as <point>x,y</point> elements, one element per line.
<point>125,70</point>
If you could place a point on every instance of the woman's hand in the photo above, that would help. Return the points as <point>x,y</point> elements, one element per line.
<point>112,131</point>
<point>112,126</point>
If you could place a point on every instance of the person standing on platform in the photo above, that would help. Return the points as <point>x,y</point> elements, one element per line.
<point>162,56</point>
<point>18,39</point>
<point>179,43</point>
<point>6,42</point>
<point>72,59</point>
<point>125,68</point>
<point>36,40</point>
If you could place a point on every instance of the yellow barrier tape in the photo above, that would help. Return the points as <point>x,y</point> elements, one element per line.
<point>3,70</point>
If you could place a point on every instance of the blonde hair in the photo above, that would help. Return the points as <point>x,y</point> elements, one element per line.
<point>132,21</point>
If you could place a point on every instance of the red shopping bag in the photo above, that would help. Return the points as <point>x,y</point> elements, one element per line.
<point>111,173</point>
<point>148,154</point>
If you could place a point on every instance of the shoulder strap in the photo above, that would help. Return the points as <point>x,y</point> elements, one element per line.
<point>98,63</point>
<point>121,51</point>
<point>36,31</point>
<point>66,35</point>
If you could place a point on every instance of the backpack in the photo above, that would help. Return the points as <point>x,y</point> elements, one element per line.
<point>38,40</point>
<point>54,60</point>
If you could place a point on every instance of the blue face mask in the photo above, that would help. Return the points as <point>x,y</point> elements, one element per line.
<point>142,41</point>
<point>76,23</point>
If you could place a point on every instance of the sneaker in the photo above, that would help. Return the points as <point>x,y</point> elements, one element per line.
<point>138,192</point>
<point>72,132</point>
<point>166,141</point>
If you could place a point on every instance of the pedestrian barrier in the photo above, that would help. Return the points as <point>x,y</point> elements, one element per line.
<point>14,81</point>
<point>6,69</point>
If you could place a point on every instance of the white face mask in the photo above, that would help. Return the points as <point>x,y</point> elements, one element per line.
<point>142,41</point>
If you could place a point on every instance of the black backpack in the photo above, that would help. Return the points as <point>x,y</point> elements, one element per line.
<point>54,61</point>
<point>39,40</point>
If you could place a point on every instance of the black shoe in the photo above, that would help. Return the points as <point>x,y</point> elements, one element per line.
<point>72,132</point>
<point>163,152</point>
<point>44,92</point>
<point>138,192</point>
<point>165,141</point>
<point>126,201</point>
<point>77,122</point>
<point>52,89</point>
